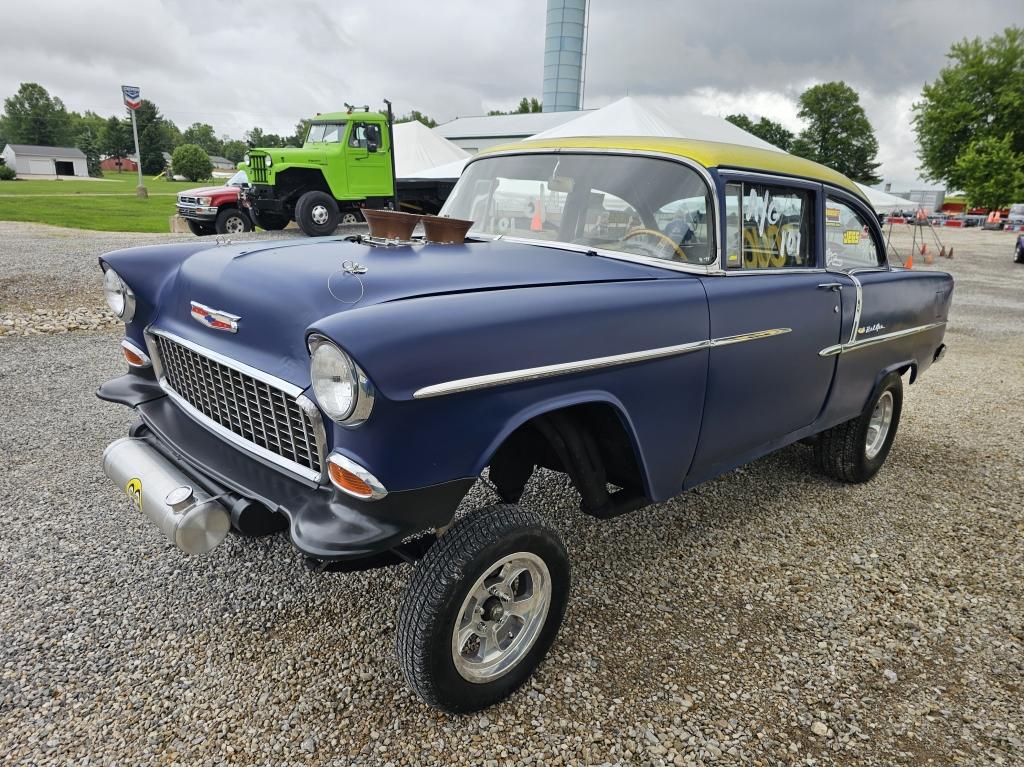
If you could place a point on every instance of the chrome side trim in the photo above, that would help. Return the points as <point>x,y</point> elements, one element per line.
<point>579,366</point>
<point>249,447</point>
<point>852,346</point>
<point>130,346</point>
<point>288,388</point>
<point>346,463</point>
<point>857,308</point>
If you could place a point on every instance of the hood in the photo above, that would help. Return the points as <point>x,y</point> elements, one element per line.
<point>278,289</point>
<point>207,191</point>
<point>294,154</point>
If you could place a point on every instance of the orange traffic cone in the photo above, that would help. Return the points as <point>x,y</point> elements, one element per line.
<point>924,248</point>
<point>536,224</point>
<point>909,263</point>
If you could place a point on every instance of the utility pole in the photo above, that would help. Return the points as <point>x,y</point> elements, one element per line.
<point>133,100</point>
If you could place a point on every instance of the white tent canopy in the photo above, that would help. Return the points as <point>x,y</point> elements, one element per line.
<point>883,202</point>
<point>631,116</point>
<point>418,148</point>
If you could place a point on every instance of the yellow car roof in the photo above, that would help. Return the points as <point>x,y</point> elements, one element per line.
<point>710,154</point>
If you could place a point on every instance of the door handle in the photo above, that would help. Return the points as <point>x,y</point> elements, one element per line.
<point>831,286</point>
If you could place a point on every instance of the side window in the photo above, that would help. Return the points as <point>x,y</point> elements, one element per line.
<point>768,227</point>
<point>357,139</point>
<point>848,240</point>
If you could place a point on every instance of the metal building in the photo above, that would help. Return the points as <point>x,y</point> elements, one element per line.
<point>564,55</point>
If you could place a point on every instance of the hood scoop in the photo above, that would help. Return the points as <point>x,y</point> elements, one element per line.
<point>391,228</point>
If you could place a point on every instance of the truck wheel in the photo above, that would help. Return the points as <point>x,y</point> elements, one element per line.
<point>854,451</point>
<point>199,228</point>
<point>350,217</point>
<point>317,214</point>
<point>232,221</point>
<point>482,608</point>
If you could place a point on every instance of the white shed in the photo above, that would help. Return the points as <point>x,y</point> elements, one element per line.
<point>51,161</point>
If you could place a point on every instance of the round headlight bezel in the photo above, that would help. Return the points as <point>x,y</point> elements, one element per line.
<point>268,161</point>
<point>119,296</point>
<point>325,352</point>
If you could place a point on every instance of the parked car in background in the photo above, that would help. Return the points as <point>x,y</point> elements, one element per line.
<point>215,209</point>
<point>667,311</point>
<point>1015,217</point>
<point>1018,251</point>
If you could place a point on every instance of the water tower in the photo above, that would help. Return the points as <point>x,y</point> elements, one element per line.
<point>564,55</point>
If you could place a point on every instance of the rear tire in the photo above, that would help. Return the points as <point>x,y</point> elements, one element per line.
<point>351,217</point>
<point>482,608</point>
<point>232,221</point>
<point>317,214</point>
<point>854,451</point>
<point>199,228</point>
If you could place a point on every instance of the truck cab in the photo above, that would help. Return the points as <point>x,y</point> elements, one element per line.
<point>344,164</point>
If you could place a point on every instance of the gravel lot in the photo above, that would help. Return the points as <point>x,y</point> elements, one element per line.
<point>768,617</point>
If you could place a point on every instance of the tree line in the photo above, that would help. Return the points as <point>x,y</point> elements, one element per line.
<point>33,116</point>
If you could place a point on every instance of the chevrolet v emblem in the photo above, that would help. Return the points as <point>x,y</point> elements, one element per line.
<point>214,318</point>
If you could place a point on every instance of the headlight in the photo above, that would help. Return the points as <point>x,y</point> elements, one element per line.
<point>245,158</point>
<point>202,201</point>
<point>119,296</point>
<point>268,161</point>
<point>341,388</point>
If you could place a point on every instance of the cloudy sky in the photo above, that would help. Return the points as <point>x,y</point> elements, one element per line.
<point>215,62</point>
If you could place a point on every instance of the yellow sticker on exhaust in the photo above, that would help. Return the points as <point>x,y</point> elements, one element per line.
<point>134,490</point>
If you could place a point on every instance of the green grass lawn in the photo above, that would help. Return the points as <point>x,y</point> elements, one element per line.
<point>109,205</point>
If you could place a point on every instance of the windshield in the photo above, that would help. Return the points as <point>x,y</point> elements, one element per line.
<point>325,133</point>
<point>638,205</point>
<point>239,179</point>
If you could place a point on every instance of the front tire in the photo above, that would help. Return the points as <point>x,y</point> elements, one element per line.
<point>1018,254</point>
<point>199,228</point>
<point>317,214</point>
<point>854,451</point>
<point>232,221</point>
<point>482,608</point>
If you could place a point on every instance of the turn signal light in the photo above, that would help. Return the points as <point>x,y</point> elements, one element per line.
<point>348,481</point>
<point>133,355</point>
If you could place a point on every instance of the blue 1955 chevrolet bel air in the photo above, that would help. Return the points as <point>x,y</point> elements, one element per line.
<point>640,314</point>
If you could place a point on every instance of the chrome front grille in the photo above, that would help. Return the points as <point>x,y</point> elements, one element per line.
<point>186,200</point>
<point>259,413</point>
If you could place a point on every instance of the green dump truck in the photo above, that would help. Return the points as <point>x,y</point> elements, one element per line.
<point>346,163</point>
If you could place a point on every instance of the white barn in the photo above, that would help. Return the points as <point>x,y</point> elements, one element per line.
<point>28,160</point>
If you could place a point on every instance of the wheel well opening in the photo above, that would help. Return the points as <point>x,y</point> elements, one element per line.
<point>293,183</point>
<point>589,442</point>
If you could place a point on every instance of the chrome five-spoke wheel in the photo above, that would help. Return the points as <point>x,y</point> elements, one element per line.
<point>878,425</point>
<point>482,608</point>
<point>501,617</point>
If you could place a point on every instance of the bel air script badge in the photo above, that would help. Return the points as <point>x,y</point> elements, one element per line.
<point>214,318</point>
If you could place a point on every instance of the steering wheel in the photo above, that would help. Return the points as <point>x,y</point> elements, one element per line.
<point>660,236</point>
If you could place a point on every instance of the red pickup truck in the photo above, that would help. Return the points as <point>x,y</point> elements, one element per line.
<point>215,209</point>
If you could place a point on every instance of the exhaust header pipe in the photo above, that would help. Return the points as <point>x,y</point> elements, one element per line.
<point>186,515</point>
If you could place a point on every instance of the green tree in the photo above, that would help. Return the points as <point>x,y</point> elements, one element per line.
<point>525,106</point>
<point>87,143</point>
<point>203,135</point>
<point>256,137</point>
<point>838,133</point>
<point>166,135</point>
<point>115,139</point>
<point>980,94</point>
<point>33,116</point>
<point>192,162</point>
<point>151,151</point>
<point>774,133</point>
<point>235,150</point>
<point>417,116</point>
<point>88,120</point>
<point>299,137</point>
<point>991,173</point>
